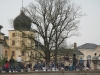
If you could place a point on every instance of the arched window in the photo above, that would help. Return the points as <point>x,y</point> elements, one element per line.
<point>89,57</point>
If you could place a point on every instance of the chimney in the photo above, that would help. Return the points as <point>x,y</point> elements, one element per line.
<point>75,46</point>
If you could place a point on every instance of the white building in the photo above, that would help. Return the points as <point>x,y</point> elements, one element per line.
<point>88,50</point>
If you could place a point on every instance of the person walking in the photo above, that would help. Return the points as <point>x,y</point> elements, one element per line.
<point>19,60</point>
<point>66,63</point>
<point>74,62</point>
<point>88,65</point>
<point>81,64</point>
<point>95,61</point>
<point>7,66</point>
<point>29,66</point>
<point>12,61</point>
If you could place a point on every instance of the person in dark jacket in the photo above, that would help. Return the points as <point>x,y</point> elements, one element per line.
<point>74,62</point>
<point>88,65</point>
<point>12,61</point>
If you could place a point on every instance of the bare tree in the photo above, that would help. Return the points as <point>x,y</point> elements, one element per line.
<point>29,45</point>
<point>65,49</point>
<point>54,21</point>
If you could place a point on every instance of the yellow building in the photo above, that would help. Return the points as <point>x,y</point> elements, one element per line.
<point>17,39</point>
<point>18,42</point>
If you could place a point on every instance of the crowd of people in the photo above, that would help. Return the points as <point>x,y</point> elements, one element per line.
<point>66,64</point>
<point>82,65</point>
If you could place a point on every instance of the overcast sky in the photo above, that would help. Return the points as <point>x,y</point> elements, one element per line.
<point>89,26</point>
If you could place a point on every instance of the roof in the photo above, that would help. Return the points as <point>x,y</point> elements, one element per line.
<point>5,37</point>
<point>2,33</point>
<point>1,41</point>
<point>77,52</point>
<point>69,52</point>
<point>39,45</point>
<point>1,26</point>
<point>22,22</point>
<point>87,46</point>
<point>5,43</point>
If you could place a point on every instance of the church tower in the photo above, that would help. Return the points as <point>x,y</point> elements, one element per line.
<point>19,36</point>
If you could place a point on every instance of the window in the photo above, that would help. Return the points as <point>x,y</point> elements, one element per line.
<point>13,42</point>
<point>23,35</point>
<point>23,53</point>
<point>5,53</point>
<point>89,57</point>
<point>13,34</point>
<point>13,53</point>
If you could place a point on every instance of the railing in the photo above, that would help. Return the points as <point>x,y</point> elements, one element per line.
<point>60,66</point>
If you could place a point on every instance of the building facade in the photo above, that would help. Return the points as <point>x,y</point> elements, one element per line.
<point>1,42</point>
<point>16,41</point>
<point>88,50</point>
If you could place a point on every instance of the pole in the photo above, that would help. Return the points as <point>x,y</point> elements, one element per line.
<point>22,4</point>
<point>38,47</point>
<point>38,41</point>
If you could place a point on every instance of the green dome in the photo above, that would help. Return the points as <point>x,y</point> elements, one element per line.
<point>22,22</point>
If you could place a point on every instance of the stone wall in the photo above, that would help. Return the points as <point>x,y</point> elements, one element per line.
<point>55,73</point>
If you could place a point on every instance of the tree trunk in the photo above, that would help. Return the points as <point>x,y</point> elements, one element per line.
<point>47,56</point>
<point>56,49</point>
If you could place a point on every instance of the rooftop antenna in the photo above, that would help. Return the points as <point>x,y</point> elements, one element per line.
<point>22,5</point>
